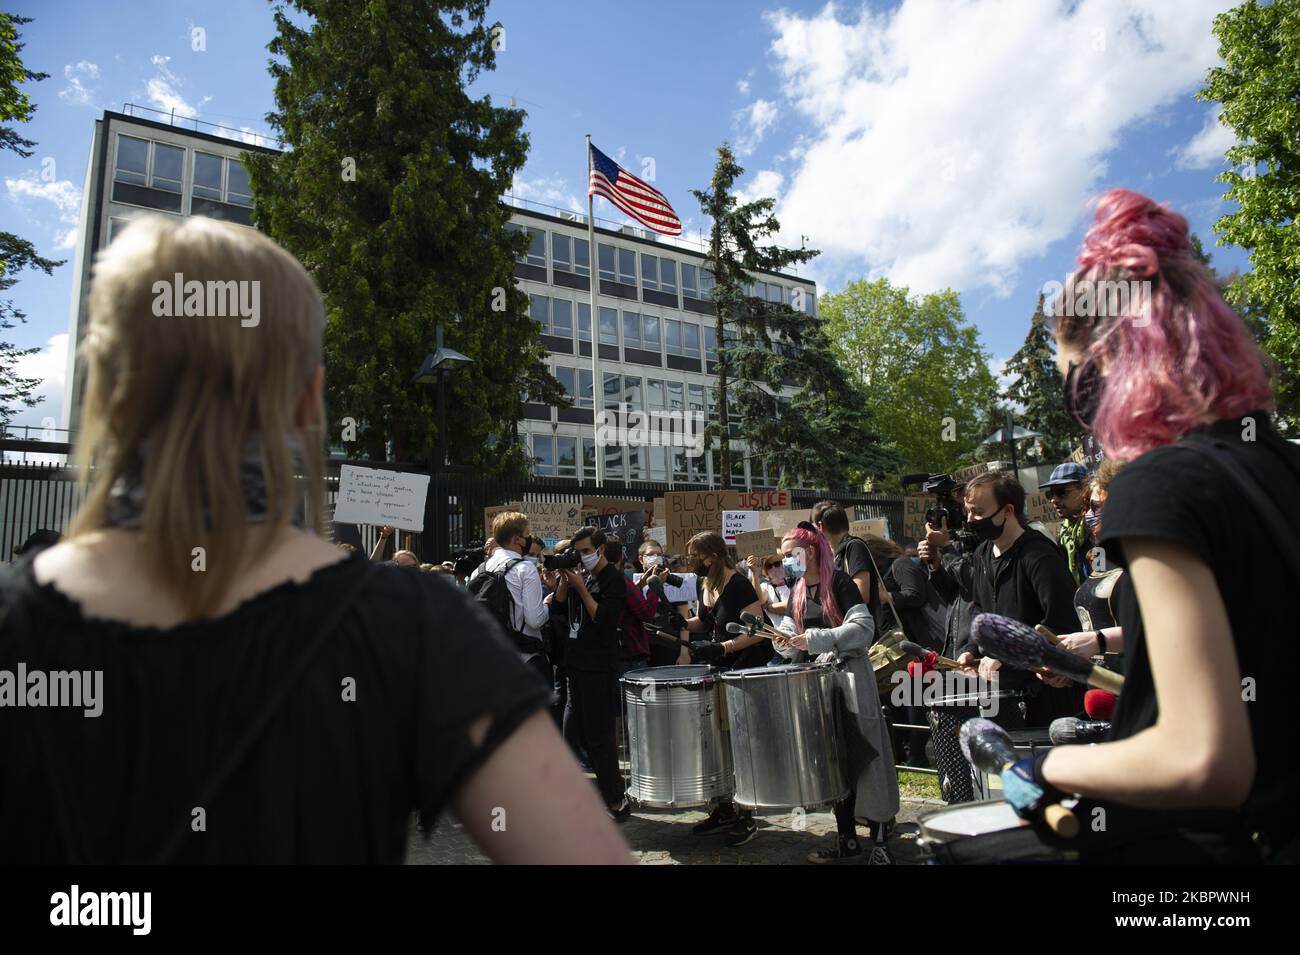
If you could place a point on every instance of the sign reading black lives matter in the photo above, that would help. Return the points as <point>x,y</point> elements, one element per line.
<point>628,526</point>
<point>369,496</point>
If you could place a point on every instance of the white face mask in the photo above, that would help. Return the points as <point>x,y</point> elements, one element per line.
<point>589,561</point>
<point>653,560</point>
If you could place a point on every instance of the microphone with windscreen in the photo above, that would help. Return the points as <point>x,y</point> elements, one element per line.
<point>757,624</point>
<point>1099,705</point>
<point>1019,645</point>
<point>1071,729</point>
<point>988,747</point>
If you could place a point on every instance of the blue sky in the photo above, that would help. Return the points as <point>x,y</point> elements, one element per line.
<point>941,144</point>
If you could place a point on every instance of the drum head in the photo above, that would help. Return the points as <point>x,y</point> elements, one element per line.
<point>782,669</point>
<point>969,819</point>
<point>670,676</point>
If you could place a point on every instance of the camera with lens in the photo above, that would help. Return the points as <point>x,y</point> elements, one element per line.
<point>673,580</point>
<point>567,559</point>
<point>945,503</point>
<point>467,558</point>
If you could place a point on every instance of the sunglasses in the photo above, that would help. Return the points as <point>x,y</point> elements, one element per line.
<point>1060,490</point>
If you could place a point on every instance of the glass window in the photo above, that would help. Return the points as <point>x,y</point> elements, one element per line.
<point>711,342</point>
<point>613,461</point>
<point>561,257</point>
<point>589,457</point>
<point>627,266</point>
<point>658,464</point>
<point>536,247</point>
<point>584,322</point>
<point>566,456</point>
<point>650,332</point>
<point>675,400</point>
<point>706,284</point>
<point>207,175</point>
<point>567,377</point>
<point>695,398</point>
<point>543,455</point>
<point>608,326</point>
<point>655,396</point>
<point>605,253</point>
<point>672,335</point>
<point>238,190</point>
<point>539,309</point>
<point>679,464</point>
<point>584,383</point>
<point>581,257</point>
<point>613,390</point>
<point>168,167</point>
<point>775,293</point>
<point>690,281</point>
<point>690,340</point>
<point>632,390</point>
<point>562,318</point>
<point>634,472</point>
<point>631,330</point>
<point>668,275</point>
<point>132,160</point>
<point>713,405</point>
<point>649,272</point>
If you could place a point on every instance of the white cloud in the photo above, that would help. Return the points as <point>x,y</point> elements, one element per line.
<point>77,74</point>
<point>1207,147</point>
<point>61,193</point>
<point>549,190</point>
<point>50,365</point>
<point>754,121</point>
<point>742,86</point>
<point>951,141</point>
<point>765,184</point>
<point>162,89</point>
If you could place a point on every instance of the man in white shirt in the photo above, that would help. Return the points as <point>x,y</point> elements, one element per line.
<point>529,612</point>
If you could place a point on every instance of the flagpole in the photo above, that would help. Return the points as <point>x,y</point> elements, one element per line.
<point>597,385</point>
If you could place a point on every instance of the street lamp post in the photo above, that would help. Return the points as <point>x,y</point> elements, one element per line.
<point>435,369</point>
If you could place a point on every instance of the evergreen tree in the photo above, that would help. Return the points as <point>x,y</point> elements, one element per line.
<point>818,436</point>
<point>16,253</point>
<point>389,193</point>
<point>1039,390</point>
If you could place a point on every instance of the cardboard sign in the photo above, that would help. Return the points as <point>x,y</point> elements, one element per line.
<point>1039,508</point>
<point>689,513</point>
<point>873,527</point>
<point>758,501</point>
<point>558,519</point>
<point>963,475</point>
<point>490,513</point>
<point>781,521</point>
<point>614,505</point>
<point>370,496</point>
<point>914,508</point>
<point>755,543</point>
<point>660,513</point>
<point>627,526</point>
<point>737,522</point>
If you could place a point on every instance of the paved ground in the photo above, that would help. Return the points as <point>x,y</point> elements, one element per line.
<point>662,837</point>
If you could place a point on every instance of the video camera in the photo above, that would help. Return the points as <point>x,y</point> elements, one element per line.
<point>467,558</point>
<point>945,504</point>
<point>567,559</point>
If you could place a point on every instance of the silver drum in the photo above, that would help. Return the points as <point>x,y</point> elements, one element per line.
<point>786,740</point>
<point>676,724</point>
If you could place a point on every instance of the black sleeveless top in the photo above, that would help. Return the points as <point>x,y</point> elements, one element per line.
<point>737,594</point>
<point>375,727</point>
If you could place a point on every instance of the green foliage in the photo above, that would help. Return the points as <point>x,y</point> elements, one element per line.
<point>389,193</point>
<point>1258,86</point>
<point>919,363</point>
<point>820,436</point>
<point>1039,390</point>
<point>16,254</point>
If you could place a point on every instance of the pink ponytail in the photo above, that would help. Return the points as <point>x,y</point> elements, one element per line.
<point>816,542</point>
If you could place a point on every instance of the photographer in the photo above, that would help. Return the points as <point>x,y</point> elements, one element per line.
<point>666,617</point>
<point>594,600</point>
<point>520,608</point>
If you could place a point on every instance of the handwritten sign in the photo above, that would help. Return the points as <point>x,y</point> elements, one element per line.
<point>370,496</point>
<point>657,534</point>
<point>614,505</point>
<point>557,519</point>
<point>871,527</point>
<point>627,526</point>
<point>914,508</point>
<point>737,522</point>
<point>755,543</point>
<point>690,512</point>
<point>781,521</point>
<point>1039,508</point>
<point>758,501</point>
<point>490,513</point>
<point>660,513</point>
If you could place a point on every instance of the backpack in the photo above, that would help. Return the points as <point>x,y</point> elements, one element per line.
<point>490,590</point>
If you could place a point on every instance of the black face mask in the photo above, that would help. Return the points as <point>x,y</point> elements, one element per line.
<point>985,529</point>
<point>699,569</point>
<point>1082,393</point>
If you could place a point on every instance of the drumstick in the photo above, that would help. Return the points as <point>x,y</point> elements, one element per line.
<point>1016,644</point>
<point>988,747</point>
<point>921,653</point>
<point>1050,637</point>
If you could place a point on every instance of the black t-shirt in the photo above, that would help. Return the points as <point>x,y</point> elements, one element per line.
<point>596,643</point>
<point>847,595</point>
<point>737,594</point>
<point>1175,495</point>
<point>853,557</point>
<point>376,726</point>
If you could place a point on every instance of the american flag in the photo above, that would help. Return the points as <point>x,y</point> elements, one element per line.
<point>642,201</point>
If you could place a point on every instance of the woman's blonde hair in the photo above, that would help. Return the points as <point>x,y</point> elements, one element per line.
<point>711,544</point>
<point>179,400</point>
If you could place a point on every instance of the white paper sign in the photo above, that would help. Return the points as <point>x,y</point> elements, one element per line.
<point>369,496</point>
<point>683,594</point>
<point>737,522</point>
<point>659,534</point>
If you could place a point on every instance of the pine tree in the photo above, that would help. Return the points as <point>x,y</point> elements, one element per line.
<point>390,195</point>
<point>1040,391</point>
<point>16,253</point>
<point>819,435</point>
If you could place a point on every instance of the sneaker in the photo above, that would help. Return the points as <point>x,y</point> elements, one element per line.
<point>721,817</point>
<point>622,812</point>
<point>745,828</point>
<point>880,855</point>
<point>847,847</point>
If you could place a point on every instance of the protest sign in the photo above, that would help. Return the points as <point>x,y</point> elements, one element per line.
<point>914,508</point>
<point>872,526</point>
<point>690,512</point>
<point>553,519</point>
<point>370,496</point>
<point>627,526</point>
<point>757,501</point>
<point>736,522</point>
<point>490,513</point>
<point>758,543</point>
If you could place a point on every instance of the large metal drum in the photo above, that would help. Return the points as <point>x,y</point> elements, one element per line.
<point>787,743</point>
<point>676,725</point>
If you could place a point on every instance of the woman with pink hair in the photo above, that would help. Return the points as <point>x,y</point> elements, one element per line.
<point>1200,766</point>
<point>834,624</point>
